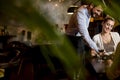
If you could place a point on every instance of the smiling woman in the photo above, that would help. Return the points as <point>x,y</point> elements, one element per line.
<point>106,41</point>
<point>106,36</point>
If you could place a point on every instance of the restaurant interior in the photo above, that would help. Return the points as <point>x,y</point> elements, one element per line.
<point>32,41</point>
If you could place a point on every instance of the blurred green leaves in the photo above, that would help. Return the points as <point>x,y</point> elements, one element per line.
<point>25,12</point>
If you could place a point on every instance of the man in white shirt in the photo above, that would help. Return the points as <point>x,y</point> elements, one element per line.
<point>78,26</point>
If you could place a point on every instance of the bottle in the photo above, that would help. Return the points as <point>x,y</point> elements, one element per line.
<point>5,31</point>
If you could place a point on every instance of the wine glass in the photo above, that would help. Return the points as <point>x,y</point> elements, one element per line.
<point>101,53</point>
<point>101,50</point>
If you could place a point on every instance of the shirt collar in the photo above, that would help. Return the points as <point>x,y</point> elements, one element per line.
<point>87,13</point>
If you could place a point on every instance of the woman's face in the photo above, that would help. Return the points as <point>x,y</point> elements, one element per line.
<point>107,26</point>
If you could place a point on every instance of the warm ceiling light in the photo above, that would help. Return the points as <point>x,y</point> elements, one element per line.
<point>56,5</point>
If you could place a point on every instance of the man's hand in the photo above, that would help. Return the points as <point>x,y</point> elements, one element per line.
<point>93,52</point>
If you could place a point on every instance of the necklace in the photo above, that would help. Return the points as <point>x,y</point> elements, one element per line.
<point>106,38</point>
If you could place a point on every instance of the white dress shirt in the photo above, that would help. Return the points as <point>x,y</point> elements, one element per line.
<point>78,26</point>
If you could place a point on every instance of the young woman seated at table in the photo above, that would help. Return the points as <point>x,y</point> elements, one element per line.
<point>106,41</point>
